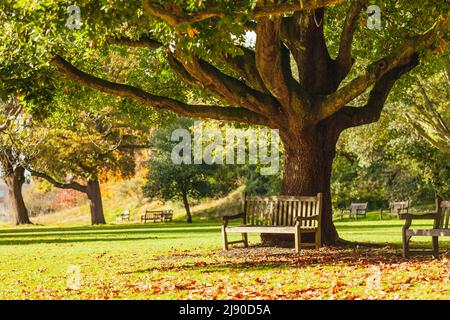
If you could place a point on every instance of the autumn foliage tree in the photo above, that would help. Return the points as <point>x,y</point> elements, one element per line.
<point>78,152</point>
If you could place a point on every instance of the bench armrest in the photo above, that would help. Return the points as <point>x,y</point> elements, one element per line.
<point>232,216</point>
<point>306,218</point>
<point>422,216</point>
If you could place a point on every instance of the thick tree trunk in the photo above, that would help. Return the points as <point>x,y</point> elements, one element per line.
<point>95,202</point>
<point>308,160</point>
<point>15,181</point>
<point>186,207</point>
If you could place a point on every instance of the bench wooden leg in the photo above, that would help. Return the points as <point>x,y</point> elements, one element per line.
<point>224,238</point>
<point>298,240</point>
<point>406,246</point>
<point>245,239</point>
<point>436,247</point>
<point>318,239</point>
<point>405,238</point>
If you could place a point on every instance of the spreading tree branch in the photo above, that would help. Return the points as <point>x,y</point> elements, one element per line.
<point>229,113</point>
<point>245,66</point>
<point>344,59</point>
<point>174,16</point>
<point>371,112</point>
<point>142,42</point>
<point>234,91</point>
<point>72,185</point>
<point>400,57</point>
<point>270,61</point>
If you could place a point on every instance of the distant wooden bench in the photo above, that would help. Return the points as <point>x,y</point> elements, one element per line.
<point>440,227</point>
<point>396,208</point>
<point>277,214</point>
<point>125,216</point>
<point>157,216</point>
<point>355,210</point>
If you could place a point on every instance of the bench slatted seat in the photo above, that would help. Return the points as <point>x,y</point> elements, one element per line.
<point>157,216</point>
<point>440,227</point>
<point>277,214</point>
<point>396,208</point>
<point>355,210</point>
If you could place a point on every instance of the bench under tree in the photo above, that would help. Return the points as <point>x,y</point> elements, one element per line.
<point>396,208</point>
<point>440,227</point>
<point>277,215</point>
<point>157,216</point>
<point>125,216</point>
<point>355,210</point>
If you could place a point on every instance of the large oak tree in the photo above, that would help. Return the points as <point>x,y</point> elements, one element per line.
<point>300,77</point>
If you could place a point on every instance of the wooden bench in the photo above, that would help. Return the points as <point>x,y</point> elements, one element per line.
<point>396,208</point>
<point>355,210</point>
<point>440,227</point>
<point>157,216</point>
<point>125,216</point>
<point>277,214</point>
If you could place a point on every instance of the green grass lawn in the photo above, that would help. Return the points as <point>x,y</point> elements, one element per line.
<point>176,260</point>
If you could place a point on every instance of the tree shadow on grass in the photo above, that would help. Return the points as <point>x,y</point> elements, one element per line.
<point>70,240</point>
<point>263,258</point>
<point>257,258</point>
<point>109,227</point>
<point>106,232</point>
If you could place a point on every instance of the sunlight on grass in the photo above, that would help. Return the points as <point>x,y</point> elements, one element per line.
<point>176,260</point>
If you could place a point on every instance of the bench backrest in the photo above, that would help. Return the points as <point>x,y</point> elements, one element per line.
<point>444,215</point>
<point>168,213</point>
<point>358,207</point>
<point>282,210</point>
<point>400,207</point>
<point>158,212</point>
<point>126,214</point>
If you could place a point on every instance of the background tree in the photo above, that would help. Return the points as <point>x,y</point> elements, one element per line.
<point>169,181</point>
<point>78,151</point>
<point>17,138</point>
<point>337,60</point>
<point>430,100</point>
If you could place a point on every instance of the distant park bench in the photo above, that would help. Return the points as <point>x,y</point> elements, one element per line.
<point>396,208</point>
<point>125,216</point>
<point>440,227</point>
<point>157,216</point>
<point>355,210</point>
<point>277,214</point>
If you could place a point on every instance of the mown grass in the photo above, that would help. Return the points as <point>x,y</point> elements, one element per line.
<point>176,260</point>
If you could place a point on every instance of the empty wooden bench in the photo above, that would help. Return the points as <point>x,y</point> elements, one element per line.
<point>440,227</point>
<point>277,214</point>
<point>396,208</point>
<point>355,210</point>
<point>157,216</point>
<point>125,216</point>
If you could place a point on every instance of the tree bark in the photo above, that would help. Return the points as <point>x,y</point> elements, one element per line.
<point>308,160</point>
<point>186,207</point>
<point>15,181</point>
<point>95,202</point>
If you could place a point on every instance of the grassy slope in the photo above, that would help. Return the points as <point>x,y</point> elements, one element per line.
<point>176,260</point>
